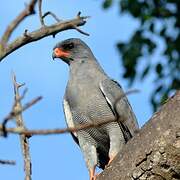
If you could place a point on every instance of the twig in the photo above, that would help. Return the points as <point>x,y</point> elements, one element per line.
<point>26,132</point>
<point>20,123</point>
<point>40,12</point>
<point>29,10</point>
<point>132,91</point>
<point>79,30</point>
<point>41,33</point>
<point>52,14</point>
<point>12,114</point>
<point>31,103</point>
<point>55,131</point>
<point>7,162</point>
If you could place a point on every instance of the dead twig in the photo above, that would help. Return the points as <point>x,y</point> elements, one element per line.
<point>80,31</point>
<point>20,123</point>
<point>26,132</point>
<point>7,162</point>
<point>52,14</point>
<point>13,114</point>
<point>40,12</point>
<point>41,16</point>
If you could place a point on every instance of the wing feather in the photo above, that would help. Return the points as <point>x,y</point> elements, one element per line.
<point>69,119</point>
<point>112,91</point>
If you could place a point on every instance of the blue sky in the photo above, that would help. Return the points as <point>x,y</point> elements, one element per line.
<point>57,156</point>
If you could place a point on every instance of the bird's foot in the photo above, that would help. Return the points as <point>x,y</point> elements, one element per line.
<point>110,160</point>
<point>93,176</point>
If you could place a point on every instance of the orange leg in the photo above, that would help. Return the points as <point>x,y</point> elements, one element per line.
<point>111,159</point>
<point>92,174</point>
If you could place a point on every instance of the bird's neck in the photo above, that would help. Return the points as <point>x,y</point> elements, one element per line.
<point>83,68</point>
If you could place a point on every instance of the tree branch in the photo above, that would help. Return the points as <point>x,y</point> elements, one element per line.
<point>7,162</point>
<point>40,12</point>
<point>29,10</point>
<point>154,153</point>
<point>13,113</point>
<point>20,123</point>
<point>20,130</point>
<point>44,31</point>
<point>41,33</point>
<point>52,14</point>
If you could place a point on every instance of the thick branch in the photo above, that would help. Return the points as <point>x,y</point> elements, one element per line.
<point>41,33</point>
<point>154,153</point>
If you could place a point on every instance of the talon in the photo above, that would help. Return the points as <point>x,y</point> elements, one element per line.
<point>110,160</point>
<point>92,174</point>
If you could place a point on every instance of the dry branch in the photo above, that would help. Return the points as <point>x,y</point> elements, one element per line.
<point>7,162</point>
<point>14,113</point>
<point>20,123</point>
<point>26,132</point>
<point>41,33</point>
<point>29,10</point>
<point>52,14</point>
<point>21,130</point>
<point>40,12</point>
<point>28,37</point>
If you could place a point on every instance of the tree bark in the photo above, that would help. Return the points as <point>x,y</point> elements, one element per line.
<point>154,153</point>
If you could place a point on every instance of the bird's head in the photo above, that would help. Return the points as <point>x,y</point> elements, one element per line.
<point>71,50</point>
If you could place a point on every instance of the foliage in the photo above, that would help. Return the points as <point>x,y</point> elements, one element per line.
<point>159,26</point>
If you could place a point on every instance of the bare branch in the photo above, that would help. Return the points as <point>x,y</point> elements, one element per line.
<point>7,162</point>
<point>31,103</point>
<point>20,123</point>
<point>52,14</point>
<point>12,114</point>
<point>65,130</point>
<point>41,33</point>
<point>26,132</point>
<point>29,10</point>
<point>79,30</point>
<point>40,12</point>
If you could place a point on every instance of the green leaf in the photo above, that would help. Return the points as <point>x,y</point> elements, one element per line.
<point>158,89</point>
<point>107,4</point>
<point>164,97</point>
<point>145,71</point>
<point>162,32</point>
<point>159,69</point>
<point>175,83</point>
<point>159,25</point>
<point>151,27</point>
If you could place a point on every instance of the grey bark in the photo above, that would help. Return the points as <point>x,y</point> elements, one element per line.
<point>154,153</point>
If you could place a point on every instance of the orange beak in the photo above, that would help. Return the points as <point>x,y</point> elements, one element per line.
<point>59,53</point>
